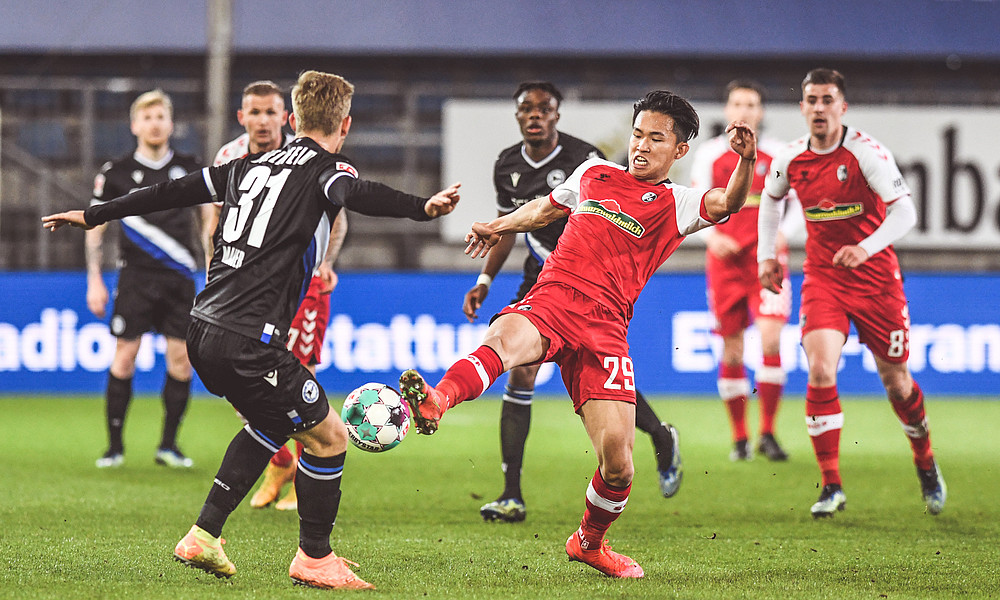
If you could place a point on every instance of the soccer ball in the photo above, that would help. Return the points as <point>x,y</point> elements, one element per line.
<point>377,418</point>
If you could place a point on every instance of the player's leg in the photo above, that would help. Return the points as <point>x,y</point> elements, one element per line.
<point>734,390</point>
<point>317,486</point>
<point>610,425</point>
<point>824,418</point>
<point>512,340</point>
<point>515,420</point>
<point>770,382</point>
<point>665,444</point>
<point>290,501</point>
<point>176,395</point>
<point>117,399</point>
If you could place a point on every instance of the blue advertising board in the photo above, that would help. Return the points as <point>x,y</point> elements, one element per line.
<point>383,323</point>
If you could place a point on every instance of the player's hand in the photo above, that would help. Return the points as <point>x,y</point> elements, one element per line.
<point>442,202</point>
<point>722,245</point>
<point>474,300</point>
<point>742,139</point>
<point>72,217</point>
<point>97,296</point>
<point>329,278</point>
<point>480,240</point>
<point>850,257</point>
<point>771,274</point>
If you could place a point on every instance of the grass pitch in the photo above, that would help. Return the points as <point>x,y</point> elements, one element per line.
<point>410,517</point>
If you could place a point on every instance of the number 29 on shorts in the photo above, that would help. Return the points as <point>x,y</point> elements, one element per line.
<point>614,364</point>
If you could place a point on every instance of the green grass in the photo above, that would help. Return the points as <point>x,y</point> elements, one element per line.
<point>410,517</point>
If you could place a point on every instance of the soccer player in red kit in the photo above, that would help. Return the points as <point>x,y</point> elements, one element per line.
<point>735,295</point>
<point>856,204</point>
<point>623,223</point>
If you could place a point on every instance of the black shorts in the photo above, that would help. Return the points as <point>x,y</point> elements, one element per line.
<point>266,384</point>
<point>148,300</point>
<point>532,268</point>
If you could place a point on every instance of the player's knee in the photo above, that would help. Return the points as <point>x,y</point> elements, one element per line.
<point>618,473</point>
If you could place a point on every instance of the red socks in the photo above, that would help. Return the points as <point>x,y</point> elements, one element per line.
<point>770,384</point>
<point>824,420</point>
<point>734,390</point>
<point>471,376</point>
<point>604,505</point>
<point>914,421</point>
<point>282,458</point>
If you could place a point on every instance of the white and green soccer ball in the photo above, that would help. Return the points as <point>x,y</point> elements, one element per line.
<point>377,418</point>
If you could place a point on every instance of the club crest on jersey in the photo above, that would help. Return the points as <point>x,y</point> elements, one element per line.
<point>310,391</point>
<point>827,210</point>
<point>342,166</point>
<point>612,211</point>
<point>555,177</point>
<point>842,173</point>
<point>648,197</point>
<point>176,172</point>
<point>137,176</point>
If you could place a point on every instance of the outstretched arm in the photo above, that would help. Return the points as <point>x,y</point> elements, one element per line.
<point>720,203</point>
<point>534,215</point>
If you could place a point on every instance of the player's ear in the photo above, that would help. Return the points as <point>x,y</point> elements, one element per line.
<point>291,121</point>
<point>345,126</point>
<point>239,116</point>
<point>681,150</point>
<point>284,117</point>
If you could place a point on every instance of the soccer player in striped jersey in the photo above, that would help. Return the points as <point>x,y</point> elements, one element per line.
<point>156,281</point>
<point>856,204</point>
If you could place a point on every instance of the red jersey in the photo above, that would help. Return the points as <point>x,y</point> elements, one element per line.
<point>620,230</point>
<point>843,193</point>
<point>714,163</point>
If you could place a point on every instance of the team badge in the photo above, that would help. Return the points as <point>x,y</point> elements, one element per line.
<point>118,325</point>
<point>649,197</point>
<point>310,391</point>
<point>137,176</point>
<point>176,172</point>
<point>555,177</point>
<point>842,173</point>
<point>514,178</point>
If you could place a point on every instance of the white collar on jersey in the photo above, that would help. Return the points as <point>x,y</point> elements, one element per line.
<point>156,165</point>
<point>544,161</point>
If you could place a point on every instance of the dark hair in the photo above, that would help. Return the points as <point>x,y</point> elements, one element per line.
<point>745,84</point>
<point>543,86</point>
<point>685,118</point>
<point>825,76</point>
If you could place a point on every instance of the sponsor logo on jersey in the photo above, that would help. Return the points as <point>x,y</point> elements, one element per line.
<point>555,177</point>
<point>310,391</point>
<point>648,197</point>
<point>827,210</point>
<point>612,211</point>
<point>137,176</point>
<point>342,166</point>
<point>842,173</point>
<point>514,178</point>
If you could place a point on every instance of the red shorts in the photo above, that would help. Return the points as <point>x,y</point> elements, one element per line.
<point>882,320</point>
<point>736,297</point>
<point>308,329</point>
<point>587,340</point>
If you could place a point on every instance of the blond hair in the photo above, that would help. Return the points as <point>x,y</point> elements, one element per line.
<point>320,101</point>
<point>152,98</point>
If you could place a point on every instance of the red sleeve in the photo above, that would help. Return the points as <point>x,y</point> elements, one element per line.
<point>565,209</point>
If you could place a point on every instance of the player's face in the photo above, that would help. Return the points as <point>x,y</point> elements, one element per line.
<point>537,114</point>
<point>823,106</point>
<point>152,126</point>
<point>744,104</point>
<point>263,117</point>
<point>653,147</point>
